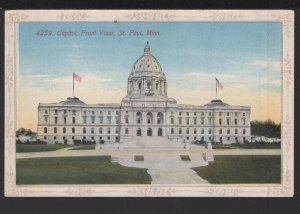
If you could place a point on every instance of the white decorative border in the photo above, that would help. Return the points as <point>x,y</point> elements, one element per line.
<point>285,189</point>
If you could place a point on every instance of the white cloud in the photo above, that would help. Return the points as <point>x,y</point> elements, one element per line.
<point>271,65</point>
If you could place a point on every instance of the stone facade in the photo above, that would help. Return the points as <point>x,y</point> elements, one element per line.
<point>146,113</point>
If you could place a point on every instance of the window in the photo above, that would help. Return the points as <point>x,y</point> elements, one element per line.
<point>220,131</point>
<point>92,138</point>
<point>73,130</point>
<point>46,119</point>
<point>84,112</point>
<point>73,112</point>
<point>244,114</point>
<point>126,119</point>
<point>187,131</point>
<point>65,111</point>
<point>179,120</point>
<point>228,138</point>
<point>209,113</point>
<point>92,130</point>
<point>228,114</point>
<point>179,113</point>
<point>228,131</point>
<point>45,137</point>
<point>195,120</point>
<point>235,121</point>
<point>220,113</point>
<point>187,120</point>
<point>220,121</point>
<point>126,130</point>
<point>140,85</point>
<point>84,119</point>
<point>93,112</point>
<point>117,112</point>
<point>235,113</point>
<point>101,120</point>
<point>159,132</point>
<point>84,130</point>
<point>108,138</point>
<point>55,111</point>
<point>45,130</point>
<point>109,112</point>
<point>65,120</point>
<point>93,120</point>
<point>202,120</point>
<point>235,131</point>
<point>64,130</point>
<point>139,132</point>
<point>202,138</point>
<point>195,113</point>
<point>148,85</point>
<point>109,120</point>
<point>159,118</point>
<point>100,130</point>
<point>101,112</point>
<point>195,138</point>
<point>195,131</point>
<point>73,120</point>
<point>209,138</point>
<point>179,131</point>
<point>55,130</point>
<point>117,131</point>
<point>172,120</point>
<point>172,131</point>
<point>187,113</point>
<point>46,111</point>
<point>202,113</point>
<point>244,121</point>
<point>138,117</point>
<point>202,131</point>
<point>108,130</point>
<point>55,137</point>
<point>244,131</point>
<point>157,86</point>
<point>209,131</point>
<point>227,121</point>
<point>55,120</point>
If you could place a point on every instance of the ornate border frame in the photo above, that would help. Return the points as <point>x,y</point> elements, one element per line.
<point>285,17</point>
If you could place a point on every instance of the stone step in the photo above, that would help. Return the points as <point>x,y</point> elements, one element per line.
<point>114,159</point>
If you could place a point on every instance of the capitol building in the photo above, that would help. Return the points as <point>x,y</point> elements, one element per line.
<point>145,115</point>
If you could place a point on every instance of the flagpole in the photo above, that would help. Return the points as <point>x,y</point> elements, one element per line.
<point>216,89</point>
<point>73,84</point>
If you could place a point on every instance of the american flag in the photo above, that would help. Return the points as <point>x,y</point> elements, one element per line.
<point>219,85</point>
<point>77,77</point>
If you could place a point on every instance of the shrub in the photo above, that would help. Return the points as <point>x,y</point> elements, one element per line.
<point>185,158</point>
<point>102,141</point>
<point>138,158</point>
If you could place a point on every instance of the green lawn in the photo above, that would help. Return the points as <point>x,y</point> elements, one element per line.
<point>39,148</point>
<point>242,169</point>
<point>87,147</point>
<point>78,170</point>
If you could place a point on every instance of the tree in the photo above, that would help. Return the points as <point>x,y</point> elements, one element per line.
<point>25,132</point>
<point>266,128</point>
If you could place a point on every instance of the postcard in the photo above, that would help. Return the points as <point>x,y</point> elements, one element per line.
<point>147,103</point>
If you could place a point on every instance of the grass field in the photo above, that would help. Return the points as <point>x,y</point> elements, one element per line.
<point>39,148</point>
<point>78,170</point>
<point>242,169</point>
<point>247,146</point>
<point>87,147</point>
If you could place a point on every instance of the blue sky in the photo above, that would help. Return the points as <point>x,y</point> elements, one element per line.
<point>244,56</point>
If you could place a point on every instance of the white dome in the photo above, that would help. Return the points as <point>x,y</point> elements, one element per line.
<point>147,65</point>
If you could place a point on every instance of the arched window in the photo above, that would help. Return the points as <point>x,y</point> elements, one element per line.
<point>84,130</point>
<point>172,131</point>
<point>159,132</point>
<point>149,118</point>
<point>160,118</point>
<point>220,131</point>
<point>73,130</point>
<point>126,130</point>
<point>149,132</point>
<point>148,85</point>
<point>92,130</point>
<point>187,131</point>
<point>209,131</point>
<point>138,117</point>
<point>179,131</point>
<point>236,131</point>
<point>64,130</point>
<point>202,131</point>
<point>228,131</point>
<point>139,132</point>
<point>195,131</point>
<point>45,130</point>
<point>244,131</point>
<point>100,130</point>
<point>55,130</point>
